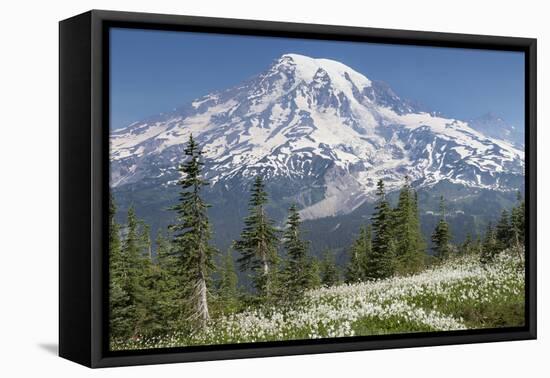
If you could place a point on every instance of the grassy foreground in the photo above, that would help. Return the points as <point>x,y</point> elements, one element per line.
<point>460,294</point>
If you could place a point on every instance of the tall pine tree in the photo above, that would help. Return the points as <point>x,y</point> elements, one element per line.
<point>133,266</point>
<point>297,272</point>
<point>441,237</point>
<point>489,246</point>
<point>381,262</point>
<point>409,240</point>
<point>359,254</point>
<point>330,275</point>
<point>192,234</point>
<point>168,289</point>
<point>504,231</point>
<point>119,326</point>
<point>228,293</point>
<point>258,243</point>
<point>468,245</point>
<point>517,223</point>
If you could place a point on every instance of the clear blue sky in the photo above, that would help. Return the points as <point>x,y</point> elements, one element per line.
<point>155,71</point>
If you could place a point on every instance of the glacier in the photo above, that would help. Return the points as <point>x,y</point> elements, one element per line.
<point>324,130</point>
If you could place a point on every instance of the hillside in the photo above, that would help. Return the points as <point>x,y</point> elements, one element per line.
<point>321,134</point>
<point>459,294</point>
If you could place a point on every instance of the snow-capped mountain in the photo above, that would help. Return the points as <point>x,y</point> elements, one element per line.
<point>322,130</point>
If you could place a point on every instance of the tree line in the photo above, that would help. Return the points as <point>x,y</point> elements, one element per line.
<point>183,285</point>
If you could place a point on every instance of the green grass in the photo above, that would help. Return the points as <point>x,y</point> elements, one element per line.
<point>459,294</point>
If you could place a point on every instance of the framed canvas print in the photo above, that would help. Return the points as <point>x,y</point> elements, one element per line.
<point>233,188</point>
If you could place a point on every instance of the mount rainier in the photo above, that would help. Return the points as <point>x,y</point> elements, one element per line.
<point>320,133</point>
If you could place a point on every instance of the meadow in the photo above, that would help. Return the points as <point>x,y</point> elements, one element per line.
<point>458,294</point>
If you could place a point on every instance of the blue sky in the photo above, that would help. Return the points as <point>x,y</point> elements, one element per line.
<point>156,71</point>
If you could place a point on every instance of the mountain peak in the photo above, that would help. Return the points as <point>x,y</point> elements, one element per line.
<point>319,121</point>
<point>308,69</point>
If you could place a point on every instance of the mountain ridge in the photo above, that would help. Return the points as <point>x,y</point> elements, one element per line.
<point>321,128</point>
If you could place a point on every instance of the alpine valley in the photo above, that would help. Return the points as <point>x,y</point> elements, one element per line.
<point>321,134</point>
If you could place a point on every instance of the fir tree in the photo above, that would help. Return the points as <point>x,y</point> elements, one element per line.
<point>297,272</point>
<point>145,240</point>
<point>409,240</point>
<point>517,224</point>
<point>360,251</point>
<point>504,231</point>
<point>166,288</point>
<point>467,247</point>
<point>118,298</point>
<point>165,258</point>
<point>192,234</point>
<point>329,271</point>
<point>228,293</point>
<point>315,270</point>
<point>258,243</point>
<point>441,237</point>
<point>133,270</point>
<point>489,246</point>
<point>381,262</point>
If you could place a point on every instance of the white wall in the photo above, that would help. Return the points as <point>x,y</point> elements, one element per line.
<point>28,158</point>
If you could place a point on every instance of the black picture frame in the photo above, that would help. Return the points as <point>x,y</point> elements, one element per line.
<point>83,181</point>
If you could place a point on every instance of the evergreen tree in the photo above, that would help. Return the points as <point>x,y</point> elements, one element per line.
<point>114,233</point>
<point>489,247</point>
<point>228,293</point>
<point>468,245</point>
<point>409,241</point>
<point>145,240</point>
<point>441,237</point>
<point>315,276</point>
<point>517,224</point>
<point>192,234</point>
<point>133,270</point>
<point>360,250</point>
<point>504,231</point>
<point>297,272</point>
<point>381,262</point>
<point>258,243</point>
<point>329,271</point>
<point>164,288</point>
<point>118,298</point>
<point>165,258</point>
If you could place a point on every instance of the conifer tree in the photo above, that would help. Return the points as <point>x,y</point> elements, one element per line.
<point>517,224</point>
<point>368,250</point>
<point>258,243</point>
<point>114,232</point>
<point>145,240</point>
<point>133,270</point>
<point>150,315</point>
<point>192,234</point>
<point>297,272</point>
<point>409,240</point>
<point>165,288</point>
<point>504,231</point>
<point>315,270</point>
<point>489,247</point>
<point>441,237</point>
<point>165,258</point>
<point>118,298</point>
<point>328,269</point>
<point>467,246</point>
<point>381,262</point>
<point>228,293</point>
<point>359,253</point>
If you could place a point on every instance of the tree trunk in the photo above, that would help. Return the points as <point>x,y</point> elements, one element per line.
<point>202,301</point>
<point>518,247</point>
